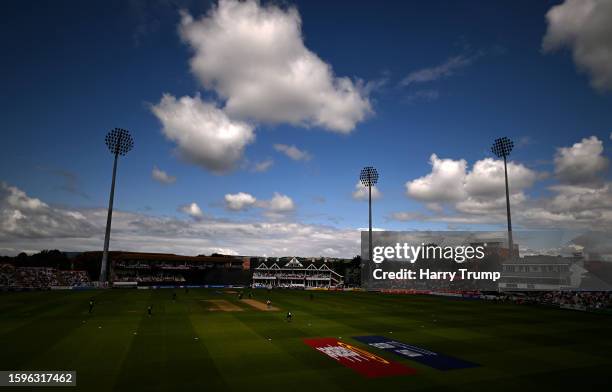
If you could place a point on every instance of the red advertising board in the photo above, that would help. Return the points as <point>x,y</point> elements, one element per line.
<point>358,359</point>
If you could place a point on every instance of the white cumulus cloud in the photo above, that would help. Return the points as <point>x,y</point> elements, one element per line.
<point>584,26</point>
<point>277,207</point>
<point>192,209</point>
<point>255,59</point>
<point>451,181</point>
<point>445,182</point>
<point>581,197</point>
<point>239,201</point>
<point>487,178</point>
<point>204,134</point>
<point>280,203</point>
<point>161,176</point>
<point>479,190</point>
<point>581,163</point>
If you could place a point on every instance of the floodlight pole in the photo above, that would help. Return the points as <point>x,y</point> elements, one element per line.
<point>119,142</point>
<point>370,220</point>
<point>510,242</point>
<point>109,218</point>
<point>502,147</point>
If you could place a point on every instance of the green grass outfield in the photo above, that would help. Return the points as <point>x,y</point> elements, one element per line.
<point>119,347</point>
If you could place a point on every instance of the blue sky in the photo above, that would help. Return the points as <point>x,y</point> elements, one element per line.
<point>439,77</point>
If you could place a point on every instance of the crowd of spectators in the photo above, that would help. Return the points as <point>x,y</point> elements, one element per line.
<point>168,266</point>
<point>12,277</point>
<point>150,278</point>
<point>578,300</point>
<point>584,300</point>
<point>291,276</point>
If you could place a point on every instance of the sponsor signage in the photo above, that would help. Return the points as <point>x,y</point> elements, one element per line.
<point>414,353</point>
<point>360,360</point>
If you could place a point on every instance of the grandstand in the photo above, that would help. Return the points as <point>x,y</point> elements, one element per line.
<point>18,278</point>
<point>541,273</point>
<point>158,269</point>
<point>294,274</point>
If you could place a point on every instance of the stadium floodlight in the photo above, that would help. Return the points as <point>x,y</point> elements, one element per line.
<point>368,178</point>
<point>119,142</point>
<point>502,148</point>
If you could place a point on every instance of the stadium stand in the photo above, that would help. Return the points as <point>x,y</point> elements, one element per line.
<point>155,269</point>
<point>578,300</point>
<point>41,277</point>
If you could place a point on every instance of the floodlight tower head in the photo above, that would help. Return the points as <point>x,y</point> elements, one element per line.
<point>368,176</point>
<point>502,147</point>
<point>119,141</point>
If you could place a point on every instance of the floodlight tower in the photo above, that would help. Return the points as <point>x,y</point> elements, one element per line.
<point>119,142</point>
<point>368,178</point>
<point>502,148</point>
